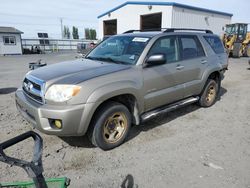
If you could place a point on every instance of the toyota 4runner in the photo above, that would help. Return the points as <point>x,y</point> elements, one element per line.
<point>127,79</point>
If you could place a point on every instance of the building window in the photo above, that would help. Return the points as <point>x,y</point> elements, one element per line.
<point>9,40</point>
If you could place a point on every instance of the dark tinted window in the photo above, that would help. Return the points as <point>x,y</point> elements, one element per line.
<point>191,47</point>
<point>215,44</point>
<point>167,46</point>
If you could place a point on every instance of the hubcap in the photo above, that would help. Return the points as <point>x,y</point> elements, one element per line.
<point>211,94</point>
<point>115,127</point>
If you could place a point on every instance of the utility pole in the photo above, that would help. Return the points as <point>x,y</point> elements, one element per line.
<point>61,21</point>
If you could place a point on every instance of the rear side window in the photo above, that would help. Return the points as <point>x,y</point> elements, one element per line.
<point>215,44</point>
<point>190,47</point>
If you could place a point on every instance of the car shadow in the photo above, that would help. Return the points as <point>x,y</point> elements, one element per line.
<point>223,91</point>
<point>148,125</point>
<point>7,90</point>
<point>78,141</point>
<point>167,117</point>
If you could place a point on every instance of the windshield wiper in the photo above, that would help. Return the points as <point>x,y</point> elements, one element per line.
<point>107,59</point>
<point>100,58</point>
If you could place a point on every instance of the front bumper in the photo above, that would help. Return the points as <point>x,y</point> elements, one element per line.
<point>40,116</point>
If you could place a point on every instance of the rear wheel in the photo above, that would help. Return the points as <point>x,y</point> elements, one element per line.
<point>209,94</point>
<point>110,126</point>
<point>247,51</point>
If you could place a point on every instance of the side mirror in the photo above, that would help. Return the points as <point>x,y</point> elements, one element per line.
<point>156,59</point>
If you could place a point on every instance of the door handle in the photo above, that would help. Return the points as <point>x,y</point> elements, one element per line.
<point>179,67</point>
<point>203,61</point>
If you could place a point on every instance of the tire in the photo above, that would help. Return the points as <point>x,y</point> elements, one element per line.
<point>247,51</point>
<point>209,94</point>
<point>110,126</point>
<point>237,50</point>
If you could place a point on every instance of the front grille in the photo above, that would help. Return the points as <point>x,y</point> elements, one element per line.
<point>33,88</point>
<point>35,85</point>
<point>35,97</point>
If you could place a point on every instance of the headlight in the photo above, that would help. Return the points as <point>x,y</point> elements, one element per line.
<point>62,93</point>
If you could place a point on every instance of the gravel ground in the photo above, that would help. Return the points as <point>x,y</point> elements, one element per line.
<point>190,147</point>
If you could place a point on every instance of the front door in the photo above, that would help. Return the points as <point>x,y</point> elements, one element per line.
<point>161,83</point>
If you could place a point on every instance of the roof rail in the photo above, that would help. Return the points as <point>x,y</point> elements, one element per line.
<point>167,30</point>
<point>186,29</point>
<point>145,30</point>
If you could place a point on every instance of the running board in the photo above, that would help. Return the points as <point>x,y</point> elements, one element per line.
<point>151,114</point>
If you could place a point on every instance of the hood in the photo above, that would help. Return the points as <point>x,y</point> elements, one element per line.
<point>73,72</point>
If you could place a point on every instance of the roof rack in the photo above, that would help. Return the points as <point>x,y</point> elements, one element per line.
<point>168,30</point>
<point>186,29</point>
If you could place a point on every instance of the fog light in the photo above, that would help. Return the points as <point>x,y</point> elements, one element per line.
<point>58,124</point>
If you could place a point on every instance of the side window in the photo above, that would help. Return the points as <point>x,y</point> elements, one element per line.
<point>168,46</point>
<point>191,47</point>
<point>215,44</point>
<point>9,40</point>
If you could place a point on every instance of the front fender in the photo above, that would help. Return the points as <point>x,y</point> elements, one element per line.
<point>110,90</point>
<point>104,93</point>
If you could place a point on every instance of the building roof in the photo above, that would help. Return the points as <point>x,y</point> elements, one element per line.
<point>165,4</point>
<point>11,30</point>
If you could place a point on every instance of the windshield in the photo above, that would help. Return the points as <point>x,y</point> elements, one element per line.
<point>230,29</point>
<point>119,49</point>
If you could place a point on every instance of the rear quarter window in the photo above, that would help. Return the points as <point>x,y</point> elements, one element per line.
<point>215,44</point>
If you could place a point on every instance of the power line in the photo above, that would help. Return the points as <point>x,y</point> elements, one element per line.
<point>43,25</point>
<point>46,17</point>
<point>23,23</point>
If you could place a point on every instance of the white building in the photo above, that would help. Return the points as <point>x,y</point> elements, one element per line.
<point>153,15</point>
<point>10,41</point>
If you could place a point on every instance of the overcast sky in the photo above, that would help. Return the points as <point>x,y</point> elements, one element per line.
<point>32,16</point>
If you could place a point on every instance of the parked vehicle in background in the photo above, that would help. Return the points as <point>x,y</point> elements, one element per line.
<point>81,47</point>
<point>126,79</point>
<point>237,40</point>
<point>33,50</point>
<point>84,48</point>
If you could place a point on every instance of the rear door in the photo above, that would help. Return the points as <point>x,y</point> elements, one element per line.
<point>192,65</point>
<point>161,84</point>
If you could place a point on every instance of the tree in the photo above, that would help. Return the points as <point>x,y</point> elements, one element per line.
<point>75,33</point>
<point>86,33</point>
<point>90,34</point>
<point>66,32</point>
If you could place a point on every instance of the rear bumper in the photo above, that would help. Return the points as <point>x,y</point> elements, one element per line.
<point>40,116</point>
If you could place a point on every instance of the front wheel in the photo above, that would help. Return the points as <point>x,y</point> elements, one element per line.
<point>209,94</point>
<point>110,126</point>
